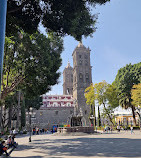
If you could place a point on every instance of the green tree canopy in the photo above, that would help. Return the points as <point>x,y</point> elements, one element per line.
<point>105,94</point>
<point>31,63</point>
<point>63,17</point>
<point>124,81</point>
<point>136,95</point>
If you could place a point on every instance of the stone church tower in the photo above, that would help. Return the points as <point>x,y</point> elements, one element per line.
<point>68,80</point>
<point>82,78</point>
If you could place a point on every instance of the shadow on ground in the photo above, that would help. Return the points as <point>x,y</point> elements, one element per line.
<point>86,147</point>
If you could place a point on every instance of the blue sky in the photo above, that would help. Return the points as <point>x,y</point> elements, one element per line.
<point>116,42</point>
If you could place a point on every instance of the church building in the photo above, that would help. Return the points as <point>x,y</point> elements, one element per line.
<point>69,108</point>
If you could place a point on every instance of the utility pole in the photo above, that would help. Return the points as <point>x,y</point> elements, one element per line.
<point>3,9</point>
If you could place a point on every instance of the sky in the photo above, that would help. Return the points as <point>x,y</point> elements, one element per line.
<point>116,42</point>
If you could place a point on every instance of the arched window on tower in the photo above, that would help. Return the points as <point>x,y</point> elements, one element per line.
<point>71,78</point>
<point>87,77</point>
<point>68,91</point>
<point>86,62</point>
<point>81,77</point>
<point>74,78</point>
<point>80,62</point>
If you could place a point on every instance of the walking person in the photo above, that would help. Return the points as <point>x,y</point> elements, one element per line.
<point>131,129</point>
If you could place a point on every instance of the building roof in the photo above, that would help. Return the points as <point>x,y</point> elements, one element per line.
<point>82,47</point>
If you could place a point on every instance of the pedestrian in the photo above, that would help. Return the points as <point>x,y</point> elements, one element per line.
<point>9,141</point>
<point>118,128</point>
<point>34,131</point>
<point>125,128</point>
<point>111,128</point>
<point>131,129</point>
<point>37,130</point>
<point>3,148</point>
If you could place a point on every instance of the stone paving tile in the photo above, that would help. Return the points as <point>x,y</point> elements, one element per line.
<point>112,145</point>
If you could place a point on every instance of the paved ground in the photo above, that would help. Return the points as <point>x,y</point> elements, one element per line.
<point>123,145</point>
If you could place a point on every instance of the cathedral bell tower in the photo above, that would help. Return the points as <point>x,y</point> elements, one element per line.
<point>82,78</point>
<point>68,80</point>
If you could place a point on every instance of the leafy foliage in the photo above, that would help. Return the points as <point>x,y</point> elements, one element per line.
<point>90,95</point>
<point>31,63</point>
<point>136,95</point>
<point>35,103</point>
<point>105,94</point>
<point>63,17</point>
<point>124,81</point>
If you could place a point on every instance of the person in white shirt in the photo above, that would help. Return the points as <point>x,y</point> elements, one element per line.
<point>131,129</point>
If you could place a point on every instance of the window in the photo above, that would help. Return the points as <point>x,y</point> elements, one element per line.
<point>80,62</point>
<point>86,62</point>
<point>81,77</point>
<point>71,78</point>
<point>55,104</point>
<point>85,112</point>
<point>68,104</point>
<point>74,78</point>
<point>68,91</point>
<point>87,77</point>
<point>56,112</point>
<point>80,56</point>
<point>86,56</point>
<point>71,112</point>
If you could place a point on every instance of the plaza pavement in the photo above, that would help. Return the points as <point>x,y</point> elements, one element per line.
<point>112,145</point>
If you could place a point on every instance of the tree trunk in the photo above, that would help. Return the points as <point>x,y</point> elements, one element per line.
<point>94,117</point>
<point>133,112</point>
<point>10,117</point>
<point>108,115</point>
<point>99,119</point>
<point>23,113</point>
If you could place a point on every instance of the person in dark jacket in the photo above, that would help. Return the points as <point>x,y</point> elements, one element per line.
<point>3,148</point>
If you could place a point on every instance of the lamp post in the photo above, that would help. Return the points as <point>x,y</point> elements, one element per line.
<point>92,119</point>
<point>30,113</point>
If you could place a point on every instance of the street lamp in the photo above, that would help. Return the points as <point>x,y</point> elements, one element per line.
<point>30,113</point>
<point>92,119</point>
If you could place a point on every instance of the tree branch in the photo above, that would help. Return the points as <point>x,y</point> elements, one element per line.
<point>18,8</point>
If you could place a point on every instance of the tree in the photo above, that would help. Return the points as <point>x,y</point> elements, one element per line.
<point>107,96</point>
<point>136,95</point>
<point>31,64</point>
<point>124,81</point>
<point>99,118</point>
<point>63,17</point>
<point>136,99</point>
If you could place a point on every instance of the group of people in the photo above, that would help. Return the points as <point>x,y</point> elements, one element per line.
<point>38,131</point>
<point>108,129</point>
<point>4,145</point>
<point>125,128</point>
